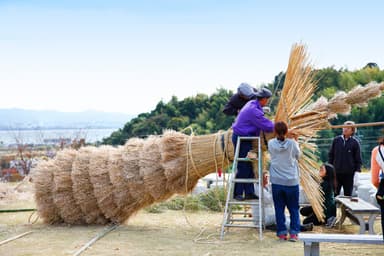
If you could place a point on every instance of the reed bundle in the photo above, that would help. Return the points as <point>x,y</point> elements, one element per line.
<point>83,189</point>
<point>99,167</point>
<point>296,94</point>
<point>43,183</point>
<point>360,95</point>
<point>307,119</point>
<point>299,85</point>
<point>63,197</point>
<point>342,102</point>
<point>107,184</point>
<point>337,104</point>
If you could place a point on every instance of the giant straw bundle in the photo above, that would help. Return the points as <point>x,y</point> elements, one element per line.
<point>107,184</point>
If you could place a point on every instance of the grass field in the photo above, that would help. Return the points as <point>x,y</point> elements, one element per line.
<point>166,233</point>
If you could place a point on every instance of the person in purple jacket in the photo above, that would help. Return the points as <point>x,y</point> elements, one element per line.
<point>249,122</point>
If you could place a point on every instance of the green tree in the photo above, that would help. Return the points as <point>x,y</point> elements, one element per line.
<point>328,82</point>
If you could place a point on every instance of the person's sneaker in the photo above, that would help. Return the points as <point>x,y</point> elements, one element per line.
<point>239,198</point>
<point>251,196</point>
<point>331,222</point>
<point>282,237</point>
<point>293,238</point>
<point>306,227</point>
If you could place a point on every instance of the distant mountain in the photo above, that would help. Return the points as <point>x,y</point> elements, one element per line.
<point>30,119</point>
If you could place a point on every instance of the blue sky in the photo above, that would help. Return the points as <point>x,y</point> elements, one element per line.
<point>126,56</point>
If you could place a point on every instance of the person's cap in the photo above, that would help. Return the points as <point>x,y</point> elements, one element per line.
<point>263,93</point>
<point>246,90</point>
<point>354,129</point>
<point>329,166</point>
<point>349,123</point>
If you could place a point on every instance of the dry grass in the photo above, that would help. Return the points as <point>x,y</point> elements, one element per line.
<point>168,233</point>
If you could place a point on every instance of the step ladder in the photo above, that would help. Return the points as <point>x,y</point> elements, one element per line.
<point>229,219</point>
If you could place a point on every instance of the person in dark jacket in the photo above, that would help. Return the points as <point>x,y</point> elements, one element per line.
<point>245,93</point>
<point>250,122</point>
<point>345,156</point>
<point>327,175</point>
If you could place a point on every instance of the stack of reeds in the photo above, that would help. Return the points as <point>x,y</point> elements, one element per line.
<point>342,102</point>
<point>107,184</point>
<point>296,94</point>
<point>306,118</point>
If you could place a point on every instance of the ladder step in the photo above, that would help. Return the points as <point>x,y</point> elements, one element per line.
<point>245,180</point>
<point>247,202</point>
<point>244,220</point>
<point>240,213</point>
<point>246,159</point>
<point>241,226</point>
<point>249,138</point>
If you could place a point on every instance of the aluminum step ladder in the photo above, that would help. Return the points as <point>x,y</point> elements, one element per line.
<point>248,221</point>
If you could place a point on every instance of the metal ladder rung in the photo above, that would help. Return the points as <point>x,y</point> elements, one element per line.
<point>249,202</point>
<point>241,226</point>
<point>246,159</point>
<point>245,181</point>
<point>240,212</point>
<point>244,220</point>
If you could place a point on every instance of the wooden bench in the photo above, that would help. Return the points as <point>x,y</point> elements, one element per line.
<point>364,212</point>
<point>312,241</point>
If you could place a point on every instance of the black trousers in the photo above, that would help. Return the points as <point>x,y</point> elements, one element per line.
<point>382,219</point>
<point>380,194</point>
<point>344,180</point>
<point>310,217</point>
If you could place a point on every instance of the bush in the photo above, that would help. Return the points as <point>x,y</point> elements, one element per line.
<point>212,200</point>
<point>176,203</point>
<point>155,208</point>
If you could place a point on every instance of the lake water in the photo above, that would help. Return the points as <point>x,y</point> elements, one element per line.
<point>8,137</point>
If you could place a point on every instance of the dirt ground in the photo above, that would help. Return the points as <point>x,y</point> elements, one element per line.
<point>168,233</point>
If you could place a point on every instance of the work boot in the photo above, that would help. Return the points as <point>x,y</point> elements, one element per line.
<point>331,222</point>
<point>251,196</point>
<point>239,198</point>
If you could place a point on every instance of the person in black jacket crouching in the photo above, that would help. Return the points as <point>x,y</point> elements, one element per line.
<point>327,175</point>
